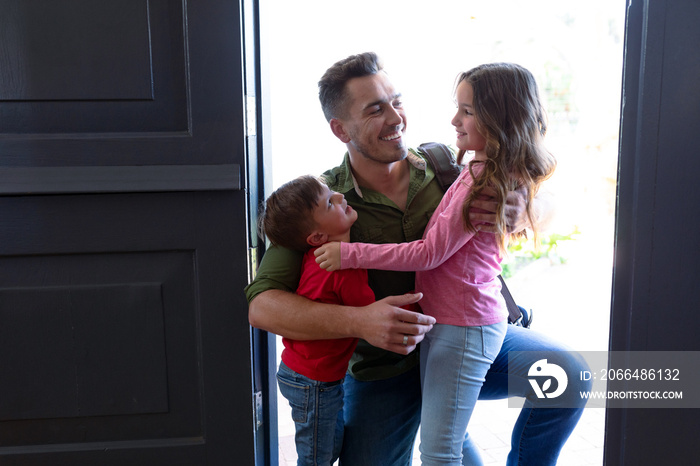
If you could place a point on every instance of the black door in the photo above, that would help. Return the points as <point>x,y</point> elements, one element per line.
<point>123,329</point>
<point>656,273</point>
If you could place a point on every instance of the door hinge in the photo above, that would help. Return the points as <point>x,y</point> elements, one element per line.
<point>258,410</point>
<point>252,263</point>
<point>251,116</point>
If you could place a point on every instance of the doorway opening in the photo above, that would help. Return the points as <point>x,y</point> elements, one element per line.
<point>574,50</point>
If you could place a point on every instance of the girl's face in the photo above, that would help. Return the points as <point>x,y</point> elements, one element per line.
<point>468,138</point>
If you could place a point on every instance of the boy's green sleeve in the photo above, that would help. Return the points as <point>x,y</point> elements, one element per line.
<point>279,269</point>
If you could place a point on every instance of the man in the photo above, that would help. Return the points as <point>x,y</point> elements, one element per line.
<point>394,192</point>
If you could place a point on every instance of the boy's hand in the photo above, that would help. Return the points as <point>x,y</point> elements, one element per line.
<point>328,256</point>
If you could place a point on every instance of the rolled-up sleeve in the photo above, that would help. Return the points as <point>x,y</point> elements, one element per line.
<point>279,269</point>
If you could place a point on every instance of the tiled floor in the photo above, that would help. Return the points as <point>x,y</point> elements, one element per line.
<point>572,303</point>
<point>493,421</point>
<point>490,427</point>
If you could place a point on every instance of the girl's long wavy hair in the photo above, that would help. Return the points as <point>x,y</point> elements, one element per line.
<point>511,118</point>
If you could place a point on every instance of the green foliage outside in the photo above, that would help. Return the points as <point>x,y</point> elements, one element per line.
<point>523,252</point>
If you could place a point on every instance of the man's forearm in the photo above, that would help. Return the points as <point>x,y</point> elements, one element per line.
<point>383,323</point>
<point>299,318</point>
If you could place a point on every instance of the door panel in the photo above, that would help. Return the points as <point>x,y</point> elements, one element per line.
<point>120,333</point>
<point>51,43</point>
<point>123,327</point>
<point>152,85</point>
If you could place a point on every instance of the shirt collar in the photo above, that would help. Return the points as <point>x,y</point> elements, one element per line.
<point>349,182</point>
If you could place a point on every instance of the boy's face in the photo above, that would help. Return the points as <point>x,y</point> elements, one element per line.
<point>333,216</point>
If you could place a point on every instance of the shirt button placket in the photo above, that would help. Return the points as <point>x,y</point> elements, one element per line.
<point>407,226</point>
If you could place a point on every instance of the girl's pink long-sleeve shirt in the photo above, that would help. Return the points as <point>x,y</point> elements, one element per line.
<point>456,271</point>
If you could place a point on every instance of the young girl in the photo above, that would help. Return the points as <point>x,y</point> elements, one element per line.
<point>500,119</point>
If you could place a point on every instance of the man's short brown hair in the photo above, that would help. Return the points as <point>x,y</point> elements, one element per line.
<point>331,87</point>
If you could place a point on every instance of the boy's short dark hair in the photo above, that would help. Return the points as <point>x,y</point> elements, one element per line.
<point>287,218</point>
<point>331,87</point>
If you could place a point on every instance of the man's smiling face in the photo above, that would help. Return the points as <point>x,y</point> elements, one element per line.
<point>375,121</point>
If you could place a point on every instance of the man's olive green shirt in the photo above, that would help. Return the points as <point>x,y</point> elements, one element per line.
<point>379,221</point>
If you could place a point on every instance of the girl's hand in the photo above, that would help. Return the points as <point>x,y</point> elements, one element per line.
<point>328,256</point>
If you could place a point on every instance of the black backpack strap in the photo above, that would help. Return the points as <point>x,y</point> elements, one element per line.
<point>515,314</point>
<point>443,162</point>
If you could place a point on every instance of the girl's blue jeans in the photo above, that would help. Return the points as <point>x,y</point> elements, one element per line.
<point>454,362</point>
<point>317,412</point>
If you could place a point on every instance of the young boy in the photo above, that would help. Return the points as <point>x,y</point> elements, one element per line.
<point>304,214</point>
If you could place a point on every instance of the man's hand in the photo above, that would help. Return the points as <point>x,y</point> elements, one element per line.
<point>328,256</point>
<point>386,325</point>
<point>383,323</point>
<point>515,211</point>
